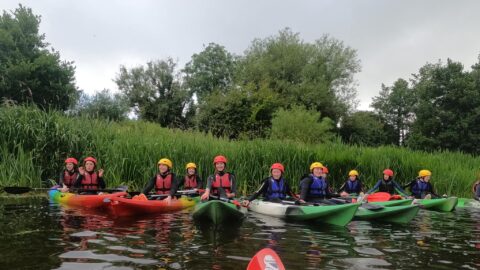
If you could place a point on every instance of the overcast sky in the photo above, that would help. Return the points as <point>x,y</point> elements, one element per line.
<point>393,38</point>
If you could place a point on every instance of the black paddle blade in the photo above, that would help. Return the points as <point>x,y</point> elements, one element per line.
<point>17,190</point>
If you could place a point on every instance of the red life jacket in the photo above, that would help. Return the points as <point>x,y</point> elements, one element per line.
<point>163,185</point>
<point>223,182</point>
<point>90,181</point>
<point>190,182</point>
<point>69,179</point>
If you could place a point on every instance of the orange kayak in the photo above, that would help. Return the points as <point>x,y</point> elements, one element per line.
<point>121,207</point>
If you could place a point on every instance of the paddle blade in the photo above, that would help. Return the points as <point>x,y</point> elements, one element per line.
<point>379,197</point>
<point>265,259</point>
<point>17,190</point>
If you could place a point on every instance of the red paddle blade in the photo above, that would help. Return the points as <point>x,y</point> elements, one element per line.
<point>379,197</point>
<point>266,259</point>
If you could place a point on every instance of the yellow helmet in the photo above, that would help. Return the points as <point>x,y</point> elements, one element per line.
<point>165,161</point>
<point>316,165</point>
<point>191,165</point>
<point>424,173</point>
<point>353,172</point>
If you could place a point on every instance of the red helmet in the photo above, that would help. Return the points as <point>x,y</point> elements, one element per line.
<point>388,172</point>
<point>92,159</point>
<point>71,160</point>
<point>325,169</point>
<point>278,166</point>
<point>218,159</point>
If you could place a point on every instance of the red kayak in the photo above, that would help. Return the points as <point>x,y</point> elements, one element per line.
<point>265,259</point>
<point>121,207</point>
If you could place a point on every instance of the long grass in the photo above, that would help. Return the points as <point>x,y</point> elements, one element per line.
<point>35,143</point>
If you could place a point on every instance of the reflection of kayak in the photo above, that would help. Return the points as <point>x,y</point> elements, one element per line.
<point>340,214</point>
<point>397,214</point>
<point>79,200</point>
<point>466,202</point>
<point>441,204</point>
<point>120,206</point>
<point>218,212</point>
<point>394,202</point>
<point>265,259</point>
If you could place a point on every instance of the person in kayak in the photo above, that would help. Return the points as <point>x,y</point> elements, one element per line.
<point>164,182</point>
<point>476,190</point>
<point>69,175</point>
<point>88,178</point>
<point>387,184</point>
<point>221,183</point>
<point>353,185</point>
<point>421,187</point>
<point>191,181</point>
<point>314,187</point>
<point>274,187</point>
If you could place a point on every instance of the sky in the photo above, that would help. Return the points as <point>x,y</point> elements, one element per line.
<point>393,38</point>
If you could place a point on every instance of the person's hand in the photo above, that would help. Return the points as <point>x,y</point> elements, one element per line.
<point>168,200</point>
<point>302,201</point>
<point>81,170</point>
<point>64,189</point>
<point>444,196</point>
<point>100,173</point>
<point>361,194</point>
<point>230,195</point>
<point>245,203</point>
<point>344,194</point>
<point>205,195</point>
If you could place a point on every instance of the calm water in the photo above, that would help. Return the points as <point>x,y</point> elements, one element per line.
<point>37,235</point>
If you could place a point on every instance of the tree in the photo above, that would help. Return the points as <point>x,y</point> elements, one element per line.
<point>302,125</point>
<point>155,92</point>
<point>364,128</point>
<point>29,71</point>
<point>395,105</point>
<point>103,105</point>
<point>212,69</point>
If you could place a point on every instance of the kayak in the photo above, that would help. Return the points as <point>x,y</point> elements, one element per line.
<point>121,206</point>
<point>397,214</point>
<point>441,204</point>
<point>218,212</point>
<point>339,215</point>
<point>466,202</point>
<point>266,259</point>
<point>80,200</point>
<point>394,202</point>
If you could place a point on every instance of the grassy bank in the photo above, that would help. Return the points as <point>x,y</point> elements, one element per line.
<point>33,145</point>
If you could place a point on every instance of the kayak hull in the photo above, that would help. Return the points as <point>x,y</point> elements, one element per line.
<point>401,214</point>
<point>394,202</point>
<point>467,202</point>
<point>442,204</point>
<point>218,212</point>
<point>81,201</point>
<point>339,215</point>
<point>122,207</point>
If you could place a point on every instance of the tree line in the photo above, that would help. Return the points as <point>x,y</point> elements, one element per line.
<point>280,87</point>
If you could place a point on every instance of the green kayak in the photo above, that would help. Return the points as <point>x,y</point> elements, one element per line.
<point>466,202</point>
<point>397,214</point>
<point>394,202</point>
<point>218,212</point>
<point>441,204</point>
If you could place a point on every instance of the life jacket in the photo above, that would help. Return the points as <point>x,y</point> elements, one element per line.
<point>318,187</point>
<point>387,186</point>
<point>222,181</point>
<point>163,184</point>
<point>90,181</point>
<point>276,189</point>
<point>420,188</point>
<point>353,186</point>
<point>69,179</point>
<point>190,182</point>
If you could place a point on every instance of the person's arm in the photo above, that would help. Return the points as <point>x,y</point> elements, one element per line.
<point>199,182</point>
<point>377,185</point>
<point>263,188</point>
<point>432,191</point>
<point>175,186</point>
<point>304,187</point>
<point>290,192</point>
<point>150,185</point>
<point>208,187</point>
<point>409,185</point>
<point>399,189</point>
<point>101,183</point>
<point>342,188</point>
<point>233,188</point>
<point>78,182</point>
<point>477,192</point>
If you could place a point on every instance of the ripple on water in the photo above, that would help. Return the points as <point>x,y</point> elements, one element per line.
<point>368,251</point>
<point>84,234</point>
<point>87,254</point>
<point>91,266</point>
<point>361,263</point>
<point>122,248</point>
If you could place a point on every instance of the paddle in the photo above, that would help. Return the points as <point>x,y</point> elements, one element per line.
<point>266,259</point>
<point>21,190</point>
<point>379,197</point>
<point>179,193</point>
<point>235,202</point>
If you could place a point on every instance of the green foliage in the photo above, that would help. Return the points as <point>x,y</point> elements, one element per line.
<point>299,124</point>
<point>364,128</point>
<point>29,71</point>
<point>103,105</point>
<point>156,93</point>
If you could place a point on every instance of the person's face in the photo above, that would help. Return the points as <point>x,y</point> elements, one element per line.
<point>427,178</point>
<point>69,166</point>
<point>317,172</point>
<point>163,168</point>
<point>220,166</point>
<point>352,177</point>
<point>276,174</point>
<point>191,171</point>
<point>89,166</point>
<point>386,177</point>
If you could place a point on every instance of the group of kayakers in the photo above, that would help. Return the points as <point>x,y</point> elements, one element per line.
<point>314,186</point>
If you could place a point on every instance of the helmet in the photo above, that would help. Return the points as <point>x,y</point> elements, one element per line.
<point>278,166</point>
<point>388,172</point>
<point>325,169</point>
<point>71,160</point>
<point>92,159</point>
<point>316,165</point>
<point>353,172</point>
<point>424,173</point>
<point>191,165</point>
<point>218,159</point>
<point>165,161</point>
